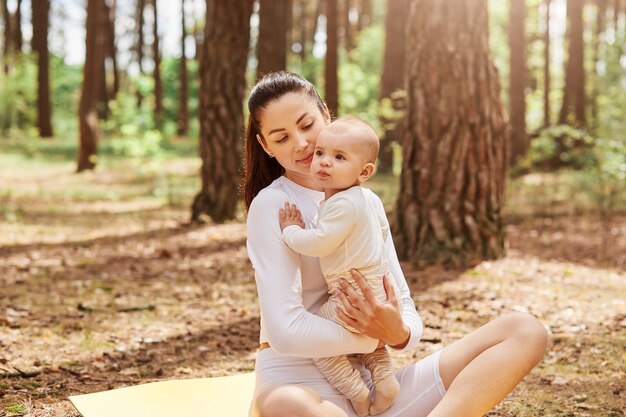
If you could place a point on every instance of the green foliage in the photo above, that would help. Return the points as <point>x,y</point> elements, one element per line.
<point>391,109</point>
<point>604,175</point>
<point>557,146</point>
<point>18,99</point>
<point>126,117</point>
<point>610,85</point>
<point>17,408</point>
<point>599,174</point>
<point>359,76</point>
<point>170,68</point>
<point>135,145</point>
<point>65,87</point>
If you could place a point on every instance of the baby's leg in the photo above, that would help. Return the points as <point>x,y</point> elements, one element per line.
<point>386,385</point>
<point>339,372</point>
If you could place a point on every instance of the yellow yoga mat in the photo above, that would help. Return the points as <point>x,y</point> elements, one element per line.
<point>227,396</point>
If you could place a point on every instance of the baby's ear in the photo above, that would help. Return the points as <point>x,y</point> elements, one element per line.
<point>366,172</point>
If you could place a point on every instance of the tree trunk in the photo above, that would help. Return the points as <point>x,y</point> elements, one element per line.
<point>40,18</point>
<point>198,33</point>
<point>103,100</point>
<point>348,35</point>
<point>546,67</point>
<point>574,99</point>
<point>517,80</point>
<point>111,51</point>
<point>455,146</point>
<point>139,19</point>
<point>183,107</point>
<point>8,38</point>
<point>599,29</point>
<point>392,79</point>
<point>303,29</point>
<point>18,38</point>
<point>331,84</point>
<point>316,12</point>
<point>274,16</point>
<point>365,14</point>
<point>92,82</point>
<point>156,54</point>
<point>222,85</point>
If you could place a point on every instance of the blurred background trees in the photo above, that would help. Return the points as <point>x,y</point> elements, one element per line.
<point>146,78</point>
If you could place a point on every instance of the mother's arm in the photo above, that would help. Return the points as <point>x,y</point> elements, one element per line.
<point>290,328</point>
<point>384,320</point>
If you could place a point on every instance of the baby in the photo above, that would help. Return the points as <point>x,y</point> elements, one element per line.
<point>350,234</point>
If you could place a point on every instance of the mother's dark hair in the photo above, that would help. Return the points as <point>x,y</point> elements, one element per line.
<point>260,170</point>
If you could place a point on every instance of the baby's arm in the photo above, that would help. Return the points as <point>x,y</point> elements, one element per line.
<point>290,216</point>
<point>335,221</point>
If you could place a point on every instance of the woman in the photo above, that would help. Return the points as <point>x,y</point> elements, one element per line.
<point>467,378</point>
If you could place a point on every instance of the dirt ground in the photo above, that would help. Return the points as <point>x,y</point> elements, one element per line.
<point>94,296</point>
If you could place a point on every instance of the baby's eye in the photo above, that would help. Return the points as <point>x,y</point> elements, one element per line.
<point>340,157</point>
<point>319,153</point>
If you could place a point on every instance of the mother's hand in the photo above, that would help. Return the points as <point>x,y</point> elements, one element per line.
<point>380,320</point>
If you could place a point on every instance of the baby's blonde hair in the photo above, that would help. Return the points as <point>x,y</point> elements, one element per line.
<point>363,131</point>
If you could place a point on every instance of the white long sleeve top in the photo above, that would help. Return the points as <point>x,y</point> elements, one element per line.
<point>350,233</point>
<point>291,286</point>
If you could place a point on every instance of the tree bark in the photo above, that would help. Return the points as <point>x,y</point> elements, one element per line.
<point>365,14</point>
<point>18,38</point>
<point>303,28</point>
<point>455,146</point>
<point>274,16</point>
<point>348,35</point>
<point>316,12</point>
<point>331,84</point>
<point>546,67</point>
<point>111,51</point>
<point>139,19</point>
<point>574,99</point>
<point>183,107</point>
<point>92,81</point>
<point>103,100</point>
<point>222,84</point>
<point>601,6</point>
<point>392,79</point>
<point>517,79</point>
<point>8,38</point>
<point>156,55</point>
<point>40,18</point>
<point>198,30</point>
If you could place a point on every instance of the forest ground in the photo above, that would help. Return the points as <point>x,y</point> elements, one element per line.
<point>103,285</point>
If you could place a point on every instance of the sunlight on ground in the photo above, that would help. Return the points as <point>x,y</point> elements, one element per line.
<point>49,203</point>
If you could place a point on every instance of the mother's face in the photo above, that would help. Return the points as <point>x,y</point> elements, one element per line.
<point>290,126</point>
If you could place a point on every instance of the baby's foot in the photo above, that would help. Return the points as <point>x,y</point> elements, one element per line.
<point>361,402</point>
<point>385,391</point>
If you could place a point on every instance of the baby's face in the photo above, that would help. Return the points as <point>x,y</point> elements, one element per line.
<point>338,160</point>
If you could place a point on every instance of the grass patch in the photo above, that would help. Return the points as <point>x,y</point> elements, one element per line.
<point>17,409</point>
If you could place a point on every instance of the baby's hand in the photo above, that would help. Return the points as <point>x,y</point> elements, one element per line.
<point>290,215</point>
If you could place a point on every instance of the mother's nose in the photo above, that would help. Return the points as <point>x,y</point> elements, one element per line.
<point>301,142</point>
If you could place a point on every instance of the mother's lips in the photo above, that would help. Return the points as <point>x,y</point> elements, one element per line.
<point>306,160</point>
